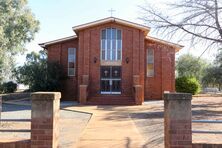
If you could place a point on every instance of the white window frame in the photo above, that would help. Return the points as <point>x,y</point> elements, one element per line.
<point>147,62</point>
<point>106,49</point>
<point>74,61</point>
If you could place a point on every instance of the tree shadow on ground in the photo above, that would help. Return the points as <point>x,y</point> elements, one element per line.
<point>150,115</point>
<point>14,107</point>
<point>205,114</point>
<point>207,105</point>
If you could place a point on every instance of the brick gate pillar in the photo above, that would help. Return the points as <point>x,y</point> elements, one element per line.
<point>45,119</point>
<point>177,120</point>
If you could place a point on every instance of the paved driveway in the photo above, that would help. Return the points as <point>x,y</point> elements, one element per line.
<point>142,126</point>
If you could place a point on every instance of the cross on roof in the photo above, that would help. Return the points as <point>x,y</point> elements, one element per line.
<point>111,11</point>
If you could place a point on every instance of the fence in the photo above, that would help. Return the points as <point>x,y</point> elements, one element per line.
<point>178,122</point>
<point>44,122</point>
<point>207,131</point>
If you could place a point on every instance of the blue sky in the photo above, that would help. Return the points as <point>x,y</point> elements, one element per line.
<point>57,17</point>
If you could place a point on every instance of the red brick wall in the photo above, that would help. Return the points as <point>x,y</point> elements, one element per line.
<point>205,145</point>
<point>59,52</point>
<point>164,71</point>
<point>134,47</point>
<point>16,144</point>
<point>89,47</point>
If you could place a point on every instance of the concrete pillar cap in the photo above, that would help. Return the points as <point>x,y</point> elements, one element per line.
<point>177,96</point>
<point>45,95</point>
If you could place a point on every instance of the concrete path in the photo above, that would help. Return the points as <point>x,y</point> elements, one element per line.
<point>143,126</point>
<point>109,126</point>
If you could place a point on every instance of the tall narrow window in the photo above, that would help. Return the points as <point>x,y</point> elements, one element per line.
<point>150,62</point>
<point>71,61</point>
<point>111,44</point>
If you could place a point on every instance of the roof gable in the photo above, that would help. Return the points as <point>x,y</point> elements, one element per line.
<point>76,29</point>
<point>43,45</point>
<point>112,20</point>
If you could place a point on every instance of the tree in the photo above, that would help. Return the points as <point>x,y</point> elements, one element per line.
<point>193,20</point>
<point>213,74</point>
<point>218,59</point>
<point>8,87</point>
<point>39,74</point>
<point>17,27</point>
<point>190,66</point>
<point>213,77</point>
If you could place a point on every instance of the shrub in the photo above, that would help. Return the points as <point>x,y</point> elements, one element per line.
<point>8,87</point>
<point>187,85</point>
<point>39,74</point>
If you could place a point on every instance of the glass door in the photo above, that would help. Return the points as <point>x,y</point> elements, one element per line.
<point>110,80</point>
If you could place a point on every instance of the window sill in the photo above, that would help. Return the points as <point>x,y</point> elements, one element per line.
<point>71,75</point>
<point>150,76</point>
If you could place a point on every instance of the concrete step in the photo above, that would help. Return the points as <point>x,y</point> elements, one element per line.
<point>110,101</point>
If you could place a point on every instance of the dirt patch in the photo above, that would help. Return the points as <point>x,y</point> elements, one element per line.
<point>150,123</point>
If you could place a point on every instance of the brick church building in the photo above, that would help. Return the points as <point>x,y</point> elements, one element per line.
<point>114,61</point>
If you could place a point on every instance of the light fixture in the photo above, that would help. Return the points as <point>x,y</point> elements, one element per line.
<point>127,60</point>
<point>95,59</point>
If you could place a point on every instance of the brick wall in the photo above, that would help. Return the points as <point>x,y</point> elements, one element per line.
<point>164,69</point>
<point>59,53</point>
<point>134,47</point>
<point>205,145</point>
<point>89,41</point>
<point>16,144</point>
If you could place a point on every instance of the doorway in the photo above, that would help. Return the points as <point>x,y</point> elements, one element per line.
<point>110,80</point>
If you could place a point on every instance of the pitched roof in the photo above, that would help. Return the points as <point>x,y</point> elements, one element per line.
<point>174,45</point>
<point>109,20</point>
<point>116,20</point>
<point>43,45</point>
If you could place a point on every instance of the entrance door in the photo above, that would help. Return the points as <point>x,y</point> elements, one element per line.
<point>110,80</point>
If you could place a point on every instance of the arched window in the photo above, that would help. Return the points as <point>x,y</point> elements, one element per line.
<point>111,44</point>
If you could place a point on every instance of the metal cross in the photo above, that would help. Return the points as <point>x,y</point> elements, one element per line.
<point>106,72</point>
<point>111,11</point>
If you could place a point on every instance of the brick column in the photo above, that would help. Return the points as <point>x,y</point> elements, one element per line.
<point>83,94</point>
<point>136,80</point>
<point>85,79</point>
<point>138,94</point>
<point>83,89</point>
<point>45,119</point>
<point>137,90</point>
<point>177,120</point>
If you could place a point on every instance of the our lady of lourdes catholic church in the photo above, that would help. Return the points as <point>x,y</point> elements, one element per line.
<point>114,61</point>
